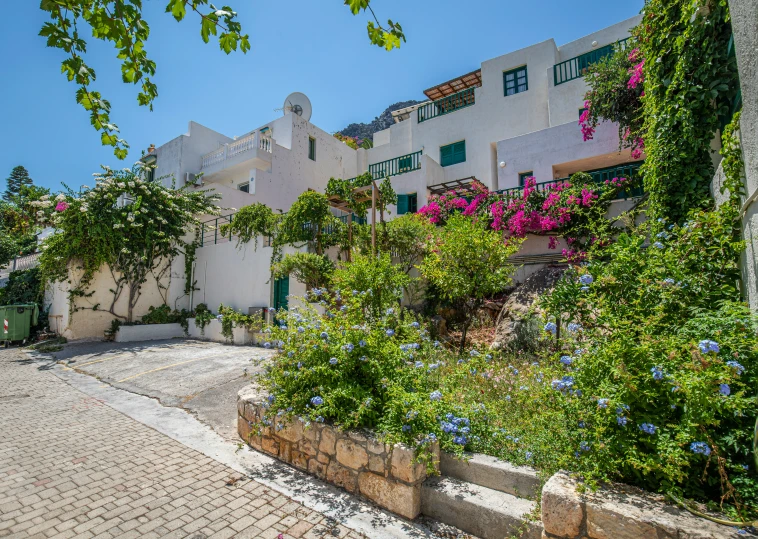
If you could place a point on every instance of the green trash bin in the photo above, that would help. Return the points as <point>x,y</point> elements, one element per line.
<point>17,321</point>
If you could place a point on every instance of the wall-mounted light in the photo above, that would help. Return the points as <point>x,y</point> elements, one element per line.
<point>502,164</point>
<point>594,43</point>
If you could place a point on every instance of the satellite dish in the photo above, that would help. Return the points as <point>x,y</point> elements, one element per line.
<point>298,103</point>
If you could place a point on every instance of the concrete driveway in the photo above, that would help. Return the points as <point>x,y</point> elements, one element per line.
<point>201,377</point>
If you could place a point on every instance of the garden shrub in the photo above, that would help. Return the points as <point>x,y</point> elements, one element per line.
<point>164,315</point>
<point>230,318</point>
<point>667,361</point>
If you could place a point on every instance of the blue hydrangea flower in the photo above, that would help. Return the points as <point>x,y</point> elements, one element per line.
<point>725,390</point>
<point>349,347</point>
<point>657,373</point>
<point>621,420</point>
<point>573,327</point>
<point>584,288</point>
<point>586,279</point>
<point>436,344</point>
<point>528,455</point>
<point>564,384</point>
<point>271,399</point>
<point>390,311</point>
<point>419,364</point>
<point>390,332</point>
<point>324,335</point>
<point>300,329</point>
<point>566,360</point>
<point>658,245</point>
<point>363,358</point>
<point>290,354</point>
<point>333,361</point>
<point>508,398</point>
<point>701,448</point>
<point>435,396</point>
<point>362,343</point>
<point>582,425</point>
<point>460,440</point>
<point>415,324</point>
<point>709,346</point>
<point>317,401</point>
<point>648,428</point>
<point>736,366</point>
<point>551,327</point>
<point>473,353</point>
<point>602,403</point>
<point>406,428</point>
<point>669,281</point>
<point>662,235</point>
<point>267,344</point>
<point>584,446</point>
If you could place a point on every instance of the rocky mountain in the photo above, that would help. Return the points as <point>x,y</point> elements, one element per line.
<point>383,121</point>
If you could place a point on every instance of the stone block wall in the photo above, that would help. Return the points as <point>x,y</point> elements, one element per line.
<point>619,512</point>
<point>354,461</point>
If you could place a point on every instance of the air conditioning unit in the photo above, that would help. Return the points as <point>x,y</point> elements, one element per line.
<point>192,179</point>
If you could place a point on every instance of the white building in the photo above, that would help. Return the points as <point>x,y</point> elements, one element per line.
<point>515,116</point>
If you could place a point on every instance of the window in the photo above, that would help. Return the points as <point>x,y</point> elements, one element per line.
<point>244,187</point>
<point>149,168</point>
<point>453,153</point>
<point>311,148</point>
<point>522,176</point>
<point>407,204</point>
<point>581,111</point>
<point>515,81</point>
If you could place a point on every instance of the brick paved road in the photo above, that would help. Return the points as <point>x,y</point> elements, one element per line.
<point>70,466</point>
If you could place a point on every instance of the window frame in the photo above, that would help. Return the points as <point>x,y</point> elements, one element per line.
<point>453,153</point>
<point>522,176</point>
<point>311,148</point>
<point>514,72</point>
<point>246,185</point>
<point>407,203</point>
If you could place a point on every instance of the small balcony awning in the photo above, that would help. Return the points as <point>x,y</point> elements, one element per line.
<point>462,187</point>
<point>471,80</point>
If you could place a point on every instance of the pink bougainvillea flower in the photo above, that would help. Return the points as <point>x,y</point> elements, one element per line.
<point>61,206</point>
<point>552,243</point>
<point>637,75</point>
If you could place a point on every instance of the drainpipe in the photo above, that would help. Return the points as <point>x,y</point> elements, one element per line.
<point>192,284</point>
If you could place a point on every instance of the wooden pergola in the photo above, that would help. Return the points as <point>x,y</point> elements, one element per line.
<point>458,84</point>
<point>462,187</point>
<point>360,194</point>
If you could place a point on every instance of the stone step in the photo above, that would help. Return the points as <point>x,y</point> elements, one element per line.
<point>492,473</point>
<point>478,510</point>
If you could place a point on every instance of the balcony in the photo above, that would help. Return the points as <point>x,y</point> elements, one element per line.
<point>446,105</point>
<point>396,166</point>
<point>256,147</point>
<point>578,66</point>
<point>600,176</point>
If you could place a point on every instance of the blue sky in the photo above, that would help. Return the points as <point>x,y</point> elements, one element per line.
<point>312,46</point>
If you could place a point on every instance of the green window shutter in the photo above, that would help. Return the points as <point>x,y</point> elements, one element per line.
<point>413,203</point>
<point>402,204</point>
<point>453,153</point>
<point>281,291</point>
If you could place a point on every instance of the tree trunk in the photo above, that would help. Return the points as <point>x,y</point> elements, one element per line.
<point>466,324</point>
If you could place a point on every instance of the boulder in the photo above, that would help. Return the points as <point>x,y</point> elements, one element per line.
<point>519,304</point>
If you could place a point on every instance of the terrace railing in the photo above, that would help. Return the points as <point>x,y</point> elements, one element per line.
<point>241,145</point>
<point>446,105</point>
<point>398,165</point>
<point>600,176</point>
<point>577,67</point>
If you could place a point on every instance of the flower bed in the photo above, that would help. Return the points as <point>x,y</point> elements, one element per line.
<point>385,474</point>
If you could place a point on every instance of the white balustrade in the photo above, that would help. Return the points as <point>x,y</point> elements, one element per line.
<point>227,151</point>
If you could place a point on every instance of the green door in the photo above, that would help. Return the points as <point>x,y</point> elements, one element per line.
<point>281,291</point>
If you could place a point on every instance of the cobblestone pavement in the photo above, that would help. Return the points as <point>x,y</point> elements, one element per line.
<point>70,466</point>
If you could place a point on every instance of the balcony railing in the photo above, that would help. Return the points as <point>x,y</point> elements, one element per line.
<point>629,171</point>
<point>577,67</point>
<point>241,145</point>
<point>446,105</point>
<point>398,165</point>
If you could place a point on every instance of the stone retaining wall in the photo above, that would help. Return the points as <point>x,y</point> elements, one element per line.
<point>382,473</point>
<point>619,512</point>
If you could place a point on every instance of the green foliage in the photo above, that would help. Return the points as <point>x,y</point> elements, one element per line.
<point>613,98</point>
<point>732,163</point>
<point>231,319</point>
<point>251,222</point>
<point>345,190</point>
<point>689,83</point>
<point>19,177</point>
<point>388,38</point>
<point>8,248</point>
<point>203,316</point>
<point>310,220</point>
<point>375,283</point>
<point>638,319</point>
<point>123,225</point>
<point>22,287</point>
<point>313,270</point>
<point>164,315</point>
<point>468,262</point>
<point>120,23</point>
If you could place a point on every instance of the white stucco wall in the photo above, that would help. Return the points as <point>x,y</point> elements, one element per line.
<point>184,153</point>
